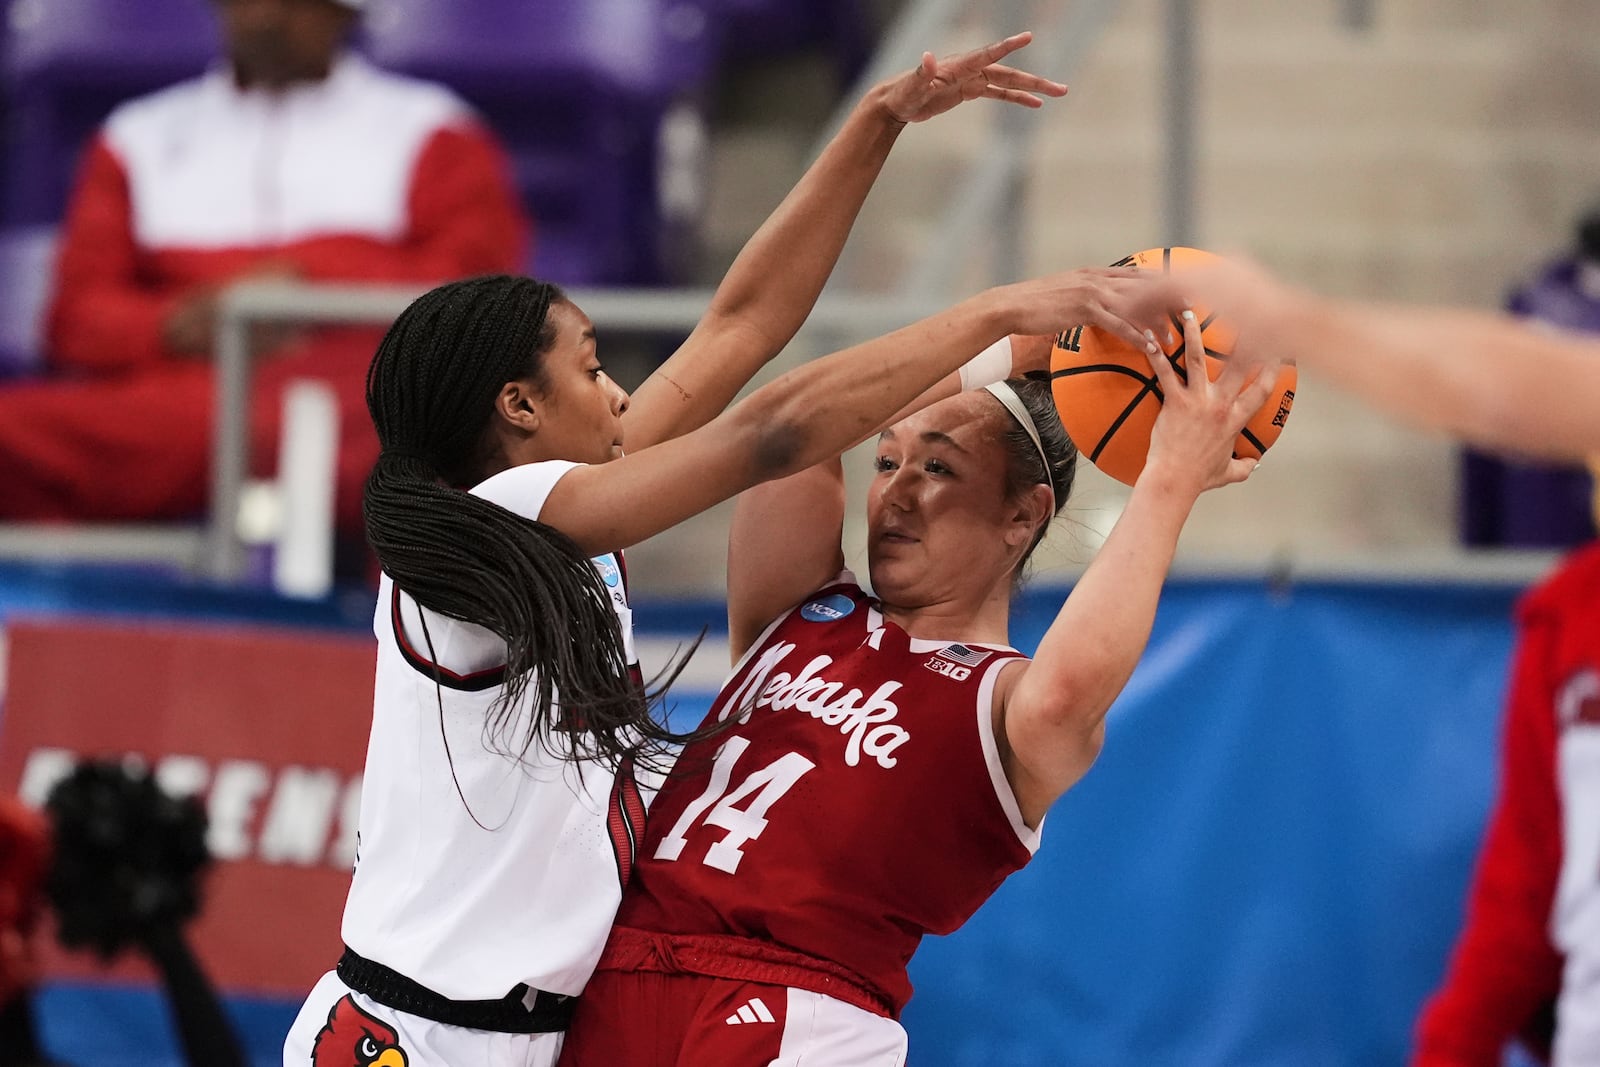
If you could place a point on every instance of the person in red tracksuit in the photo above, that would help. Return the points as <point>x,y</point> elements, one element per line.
<point>294,158</point>
<point>24,860</point>
<point>1532,937</point>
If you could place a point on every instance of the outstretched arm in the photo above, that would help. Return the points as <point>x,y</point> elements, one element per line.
<point>775,281</point>
<point>1050,711</point>
<point>816,411</point>
<point>1487,379</point>
<point>785,541</point>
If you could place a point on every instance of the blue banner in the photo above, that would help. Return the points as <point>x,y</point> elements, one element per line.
<point>1266,866</point>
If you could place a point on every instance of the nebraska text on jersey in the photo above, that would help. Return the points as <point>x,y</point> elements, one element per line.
<point>764,833</point>
<point>868,722</point>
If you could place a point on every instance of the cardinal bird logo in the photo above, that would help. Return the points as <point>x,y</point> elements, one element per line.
<point>352,1038</point>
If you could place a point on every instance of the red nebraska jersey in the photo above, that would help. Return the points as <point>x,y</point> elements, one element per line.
<point>858,803</point>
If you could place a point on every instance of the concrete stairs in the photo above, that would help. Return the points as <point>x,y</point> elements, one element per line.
<point>1437,155</point>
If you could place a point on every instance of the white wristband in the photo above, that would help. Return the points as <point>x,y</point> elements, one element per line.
<point>991,365</point>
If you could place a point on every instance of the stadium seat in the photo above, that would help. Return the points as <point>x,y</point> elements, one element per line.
<point>760,28</point>
<point>578,90</point>
<point>67,63</point>
<point>26,263</point>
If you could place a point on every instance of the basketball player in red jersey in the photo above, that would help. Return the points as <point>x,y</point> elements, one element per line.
<point>889,760</point>
<point>499,813</point>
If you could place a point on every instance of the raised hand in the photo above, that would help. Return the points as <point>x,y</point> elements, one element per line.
<point>1200,419</point>
<point>937,85</point>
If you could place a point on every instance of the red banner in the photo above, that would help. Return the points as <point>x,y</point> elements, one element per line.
<point>269,727</point>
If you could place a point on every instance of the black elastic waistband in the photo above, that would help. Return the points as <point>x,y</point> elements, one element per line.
<point>515,1013</point>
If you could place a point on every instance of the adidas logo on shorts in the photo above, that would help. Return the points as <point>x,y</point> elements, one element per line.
<point>752,1011</point>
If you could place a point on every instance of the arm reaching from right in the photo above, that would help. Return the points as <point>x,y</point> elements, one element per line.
<point>1487,379</point>
<point>814,412</point>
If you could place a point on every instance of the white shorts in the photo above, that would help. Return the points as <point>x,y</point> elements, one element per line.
<point>354,1029</point>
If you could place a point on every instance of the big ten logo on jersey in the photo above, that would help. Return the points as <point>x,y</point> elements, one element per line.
<point>292,816</point>
<point>950,670</point>
<point>1578,699</point>
<point>867,722</point>
<point>957,661</point>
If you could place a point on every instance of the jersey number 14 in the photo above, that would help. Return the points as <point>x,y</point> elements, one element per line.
<point>757,793</point>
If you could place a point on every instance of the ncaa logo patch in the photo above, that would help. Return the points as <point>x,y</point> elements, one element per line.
<point>828,609</point>
<point>609,571</point>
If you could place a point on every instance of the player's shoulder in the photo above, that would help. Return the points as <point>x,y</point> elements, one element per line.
<point>839,598</point>
<point>1573,586</point>
<point>524,488</point>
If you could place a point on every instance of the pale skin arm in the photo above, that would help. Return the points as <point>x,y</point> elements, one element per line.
<point>1488,379</point>
<point>785,541</point>
<point>774,283</point>
<point>1050,711</point>
<point>816,411</point>
<point>785,538</point>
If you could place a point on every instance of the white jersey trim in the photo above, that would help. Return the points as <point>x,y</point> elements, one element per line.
<point>991,756</point>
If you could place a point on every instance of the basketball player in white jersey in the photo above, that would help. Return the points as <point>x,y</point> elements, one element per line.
<point>499,811</point>
<point>886,761</point>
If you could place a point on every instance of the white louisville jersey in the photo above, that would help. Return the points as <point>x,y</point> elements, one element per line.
<point>477,870</point>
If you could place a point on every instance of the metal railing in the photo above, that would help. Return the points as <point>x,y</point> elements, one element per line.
<point>988,202</point>
<point>613,311</point>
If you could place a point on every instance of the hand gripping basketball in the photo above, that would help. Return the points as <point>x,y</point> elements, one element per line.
<point>1109,398</point>
<point>1202,414</point>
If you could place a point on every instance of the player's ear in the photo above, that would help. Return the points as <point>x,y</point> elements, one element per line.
<point>1030,510</point>
<point>520,405</point>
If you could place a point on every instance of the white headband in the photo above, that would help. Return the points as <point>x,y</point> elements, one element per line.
<point>1019,411</point>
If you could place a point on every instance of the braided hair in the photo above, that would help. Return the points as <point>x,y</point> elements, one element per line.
<point>431,390</point>
<point>1024,466</point>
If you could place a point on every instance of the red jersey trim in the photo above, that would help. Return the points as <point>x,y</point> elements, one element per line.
<point>625,820</point>
<point>475,682</point>
<point>740,959</point>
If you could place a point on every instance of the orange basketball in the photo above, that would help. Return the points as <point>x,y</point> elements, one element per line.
<point>1109,398</point>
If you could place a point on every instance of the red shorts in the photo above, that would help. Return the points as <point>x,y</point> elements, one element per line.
<point>652,1019</point>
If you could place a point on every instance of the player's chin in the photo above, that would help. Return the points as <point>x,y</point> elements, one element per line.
<point>890,570</point>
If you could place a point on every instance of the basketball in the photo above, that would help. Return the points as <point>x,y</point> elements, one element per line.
<point>1109,398</point>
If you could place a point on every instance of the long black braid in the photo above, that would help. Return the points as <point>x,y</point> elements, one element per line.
<point>431,390</point>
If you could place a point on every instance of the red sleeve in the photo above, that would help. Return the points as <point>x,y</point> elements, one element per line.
<point>1504,969</point>
<point>465,219</point>
<point>102,318</point>
<point>24,855</point>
